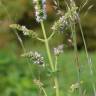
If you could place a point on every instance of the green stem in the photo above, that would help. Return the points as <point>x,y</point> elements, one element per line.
<point>90,64</point>
<point>56,86</point>
<point>76,55</point>
<point>50,58</point>
<point>53,33</point>
<point>47,46</point>
<point>40,39</point>
<point>44,91</point>
<point>56,63</point>
<point>55,78</point>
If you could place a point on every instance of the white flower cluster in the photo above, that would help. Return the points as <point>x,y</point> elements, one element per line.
<point>64,21</point>
<point>75,86</point>
<point>58,50</point>
<point>34,56</point>
<point>40,10</point>
<point>60,25</point>
<point>28,32</point>
<point>72,12</point>
<point>25,31</point>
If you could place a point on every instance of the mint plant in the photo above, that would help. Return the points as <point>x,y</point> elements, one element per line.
<point>66,21</point>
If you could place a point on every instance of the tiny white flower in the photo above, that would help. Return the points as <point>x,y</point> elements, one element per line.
<point>40,10</point>
<point>58,50</point>
<point>35,57</point>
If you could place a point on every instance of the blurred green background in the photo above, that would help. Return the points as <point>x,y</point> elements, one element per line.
<point>15,77</point>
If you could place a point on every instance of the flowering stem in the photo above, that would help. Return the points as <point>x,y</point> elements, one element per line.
<point>50,58</point>
<point>76,55</point>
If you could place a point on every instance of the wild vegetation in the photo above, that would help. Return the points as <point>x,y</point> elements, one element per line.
<point>46,70</point>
